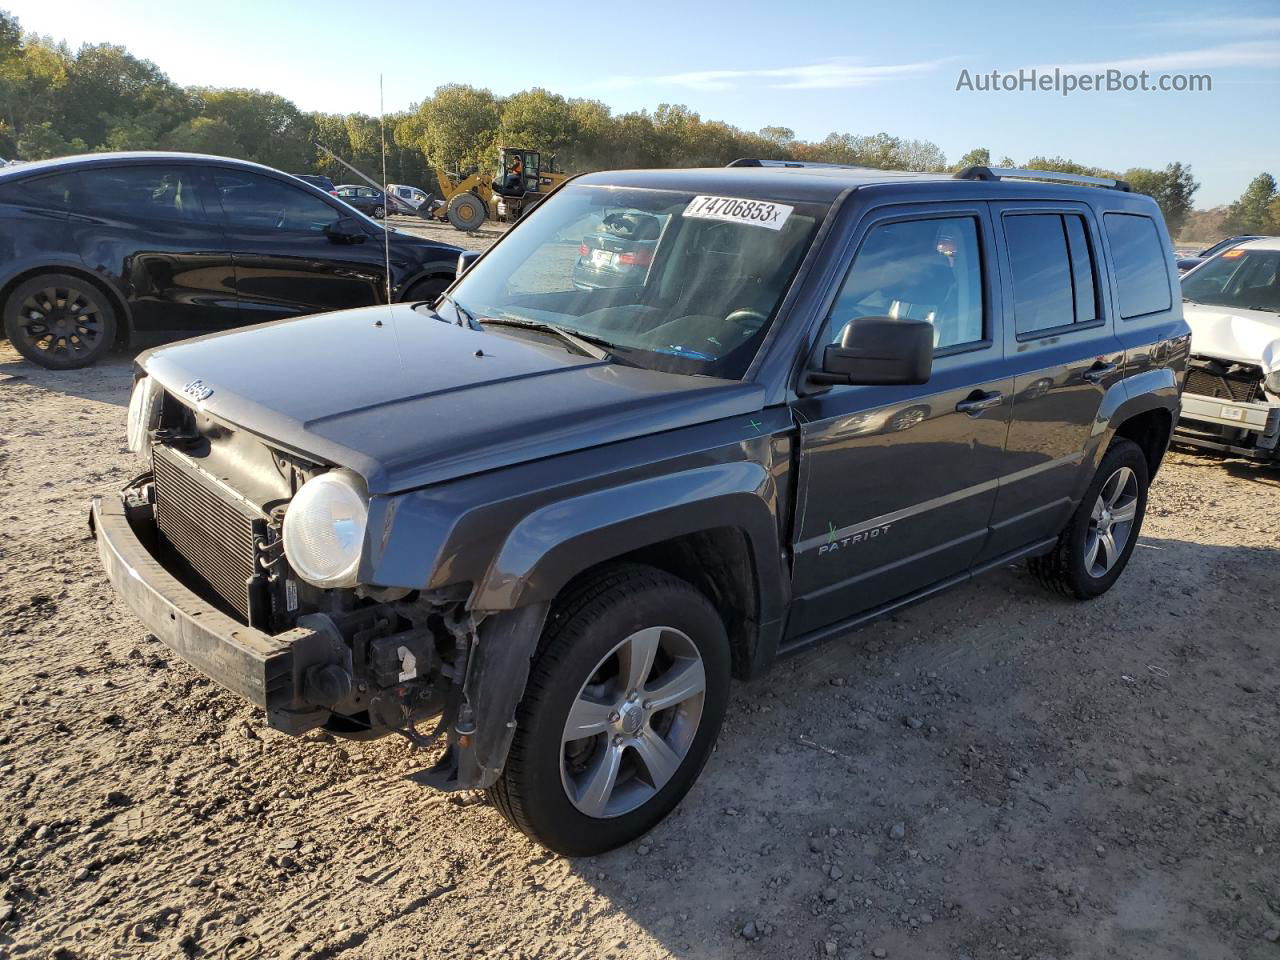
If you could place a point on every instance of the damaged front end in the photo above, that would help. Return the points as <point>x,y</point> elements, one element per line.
<point>197,547</point>
<point>1231,406</point>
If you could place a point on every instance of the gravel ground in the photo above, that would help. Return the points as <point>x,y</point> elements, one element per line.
<point>997,773</point>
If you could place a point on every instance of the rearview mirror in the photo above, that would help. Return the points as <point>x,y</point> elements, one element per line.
<point>465,259</point>
<point>345,230</point>
<point>879,351</point>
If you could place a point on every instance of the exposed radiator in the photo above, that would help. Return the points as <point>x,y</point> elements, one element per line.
<point>208,527</point>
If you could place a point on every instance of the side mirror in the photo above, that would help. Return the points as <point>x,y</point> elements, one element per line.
<point>345,230</point>
<point>879,351</point>
<point>465,259</point>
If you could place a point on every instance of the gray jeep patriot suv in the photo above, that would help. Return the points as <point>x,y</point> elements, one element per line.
<point>559,516</point>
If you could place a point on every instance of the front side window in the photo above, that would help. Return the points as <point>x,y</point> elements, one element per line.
<point>917,270</point>
<point>1142,266</point>
<point>664,279</point>
<point>1052,267</point>
<point>1242,277</point>
<point>257,202</point>
<point>147,192</point>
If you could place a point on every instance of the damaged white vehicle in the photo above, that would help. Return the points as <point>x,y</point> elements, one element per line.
<point>1231,396</point>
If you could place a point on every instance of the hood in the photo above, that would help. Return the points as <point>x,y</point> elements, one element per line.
<point>1230,333</point>
<point>407,400</point>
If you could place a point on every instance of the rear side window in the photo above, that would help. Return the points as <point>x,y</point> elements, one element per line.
<point>142,192</point>
<point>258,202</point>
<point>44,193</point>
<point>917,270</point>
<point>1141,265</point>
<point>1052,265</point>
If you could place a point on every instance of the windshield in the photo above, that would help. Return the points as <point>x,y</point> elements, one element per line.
<point>1241,277</point>
<point>666,280</point>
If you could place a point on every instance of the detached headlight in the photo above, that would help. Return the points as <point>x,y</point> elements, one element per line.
<point>144,413</point>
<point>1272,383</point>
<point>324,529</point>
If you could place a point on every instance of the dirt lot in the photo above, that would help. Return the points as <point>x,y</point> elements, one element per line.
<point>994,774</point>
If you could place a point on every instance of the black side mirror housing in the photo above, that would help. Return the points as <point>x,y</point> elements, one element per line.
<point>465,259</point>
<point>879,351</point>
<point>346,230</point>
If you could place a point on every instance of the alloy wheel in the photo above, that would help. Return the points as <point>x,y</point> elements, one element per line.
<point>633,722</point>
<point>1111,522</point>
<point>63,322</point>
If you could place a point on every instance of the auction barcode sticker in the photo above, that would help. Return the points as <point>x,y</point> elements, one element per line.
<point>760,213</point>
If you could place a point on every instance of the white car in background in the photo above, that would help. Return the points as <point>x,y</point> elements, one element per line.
<point>1231,396</point>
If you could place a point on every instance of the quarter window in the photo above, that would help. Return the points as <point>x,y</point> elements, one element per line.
<point>1054,280</point>
<point>43,193</point>
<point>1142,267</point>
<point>148,192</point>
<point>249,200</point>
<point>917,270</point>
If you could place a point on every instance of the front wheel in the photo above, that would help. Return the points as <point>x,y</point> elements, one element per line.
<point>379,213</point>
<point>1094,547</point>
<point>621,711</point>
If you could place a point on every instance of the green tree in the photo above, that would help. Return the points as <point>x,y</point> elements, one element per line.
<point>204,135</point>
<point>1253,213</point>
<point>1172,188</point>
<point>269,128</point>
<point>457,128</point>
<point>113,100</point>
<point>977,157</point>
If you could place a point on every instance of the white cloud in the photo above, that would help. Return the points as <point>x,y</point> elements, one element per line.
<point>1255,54</point>
<point>1241,26</point>
<point>827,74</point>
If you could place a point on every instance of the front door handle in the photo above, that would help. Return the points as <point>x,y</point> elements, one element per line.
<point>979,401</point>
<point>1098,372</point>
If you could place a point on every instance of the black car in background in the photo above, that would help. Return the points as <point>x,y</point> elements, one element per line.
<point>318,180</point>
<point>1190,263</point>
<point>368,200</point>
<point>619,252</point>
<point>138,248</point>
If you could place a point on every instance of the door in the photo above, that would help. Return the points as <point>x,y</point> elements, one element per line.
<point>148,225</point>
<point>1063,354</point>
<point>286,264</point>
<point>897,483</point>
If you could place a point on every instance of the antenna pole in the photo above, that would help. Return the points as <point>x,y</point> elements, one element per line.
<point>386,231</point>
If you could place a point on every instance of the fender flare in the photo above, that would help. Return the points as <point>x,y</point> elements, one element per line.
<point>1149,390</point>
<point>554,543</point>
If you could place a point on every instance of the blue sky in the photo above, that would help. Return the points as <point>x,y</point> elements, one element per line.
<point>817,67</point>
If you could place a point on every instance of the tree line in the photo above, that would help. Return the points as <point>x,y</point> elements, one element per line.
<point>55,101</point>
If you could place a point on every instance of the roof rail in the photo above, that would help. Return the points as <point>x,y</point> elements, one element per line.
<point>757,162</point>
<point>979,172</point>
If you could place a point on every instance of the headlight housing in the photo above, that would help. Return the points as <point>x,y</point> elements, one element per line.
<point>144,413</point>
<point>1272,383</point>
<point>324,529</point>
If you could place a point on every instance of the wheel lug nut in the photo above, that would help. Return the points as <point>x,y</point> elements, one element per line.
<point>617,741</point>
<point>613,717</point>
<point>648,704</point>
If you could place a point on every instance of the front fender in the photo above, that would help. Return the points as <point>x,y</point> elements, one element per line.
<point>556,542</point>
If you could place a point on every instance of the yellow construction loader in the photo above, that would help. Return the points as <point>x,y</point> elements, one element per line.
<point>466,202</point>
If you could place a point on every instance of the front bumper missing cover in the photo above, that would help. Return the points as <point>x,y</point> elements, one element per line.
<point>1230,426</point>
<point>269,671</point>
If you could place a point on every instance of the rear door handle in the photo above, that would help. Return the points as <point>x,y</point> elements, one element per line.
<point>1099,372</point>
<point>977,402</point>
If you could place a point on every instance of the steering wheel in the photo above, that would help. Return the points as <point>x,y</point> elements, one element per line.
<point>749,321</point>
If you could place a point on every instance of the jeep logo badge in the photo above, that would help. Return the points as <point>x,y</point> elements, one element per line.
<point>197,390</point>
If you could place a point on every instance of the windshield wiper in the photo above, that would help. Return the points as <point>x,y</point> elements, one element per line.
<point>461,311</point>
<point>584,342</point>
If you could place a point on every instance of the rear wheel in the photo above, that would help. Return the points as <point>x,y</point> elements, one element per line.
<point>59,321</point>
<point>466,211</point>
<point>1094,547</point>
<point>621,711</point>
<point>379,212</point>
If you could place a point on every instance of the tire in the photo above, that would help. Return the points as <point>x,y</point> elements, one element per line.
<point>466,212</point>
<point>426,290</point>
<point>1081,564</point>
<point>595,632</point>
<point>59,321</point>
<point>379,213</point>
